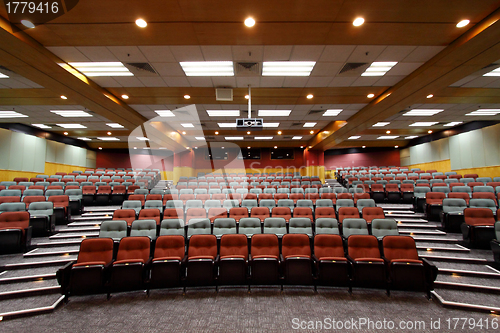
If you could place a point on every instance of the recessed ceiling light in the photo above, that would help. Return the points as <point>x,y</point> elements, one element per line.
<point>462,23</point>
<point>296,138</point>
<point>411,137</point>
<point>114,125</point>
<point>332,112</point>
<point>453,123</point>
<point>311,132</point>
<point>396,146</point>
<point>379,68</point>
<point>429,131</point>
<point>142,138</point>
<point>165,113</point>
<point>423,112</point>
<point>354,137</point>
<point>279,132</point>
<point>370,95</point>
<point>216,133</point>
<point>187,147</point>
<point>387,137</point>
<point>100,148</point>
<point>358,21</point>
<point>387,132</point>
<point>275,147</point>
<point>146,148</point>
<point>363,146</point>
<point>223,113</point>
<point>71,113</point>
<point>108,138</point>
<point>247,96</point>
<point>484,112</point>
<point>381,124</point>
<point>183,132</point>
<point>71,125</point>
<point>424,123</point>
<point>287,68</point>
<point>3,76</point>
<point>65,133</point>
<point>207,68</point>
<point>84,139</point>
<point>91,69</point>
<point>248,147</point>
<point>263,138</point>
<point>271,124</point>
<point>310,147</point>
<point>63,97</point>
<point>27,23</point>
<point>310,124</point>
<point>141,23</point>
<point>227,124</point>
<point>187,97</point>
<point>125,96</point>
<point>430,96</point>
<point>310,96</point>
<point>200,138</point>
<point>233,138</point>
<point>186,125</point>
<point>249,22</point>
<point>41,126</point>
<point>109,133</point>
<point>495,72</point>
<point>274,113</point>
<point>248,132</point>
<point>301,146</point>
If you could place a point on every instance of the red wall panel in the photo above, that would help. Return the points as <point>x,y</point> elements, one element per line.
<point>124,160</point>
<point>380,158</point>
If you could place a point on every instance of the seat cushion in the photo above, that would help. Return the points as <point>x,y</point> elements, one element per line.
<point>129,261</point>
<point>413,261</point>
<point>270,256</point>
<point>370,259</point>
<point>90,263</point>
<point>332,259</point>
<point>167,258</point>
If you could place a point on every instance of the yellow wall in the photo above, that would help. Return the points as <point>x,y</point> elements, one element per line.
<point>50,169</point>
<point>182,172</point>
<point>444,166</point>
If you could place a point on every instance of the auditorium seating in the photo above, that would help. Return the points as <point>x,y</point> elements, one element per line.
<point>478,228</point>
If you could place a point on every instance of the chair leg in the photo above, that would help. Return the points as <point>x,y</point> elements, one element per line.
<point>108,296</point>
<point>249,288</point>
<point>350,290</point>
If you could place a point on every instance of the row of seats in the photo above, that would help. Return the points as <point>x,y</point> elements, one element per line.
<point>434,202</point>
<point>452,210</point>
<point>119,228</point>
<point>138,265</point>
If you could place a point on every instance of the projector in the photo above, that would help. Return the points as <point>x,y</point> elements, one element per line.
<point>246,123</point>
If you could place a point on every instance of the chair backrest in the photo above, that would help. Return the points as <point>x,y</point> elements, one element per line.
<point>365,203</point>
<point>344,203</point>
<point>483,203</point>
<point>95,250</point>
<point>134,248</point>
<point>172,227</point>
<point>41,207</point>
<point>347,212</point>
<point>224,226</point>
<point>144,227</point>
<point>432,198</point>
<point>233,246</point>
<point>300,225</point>
<point>452,205</point>
<point>363,246</point>
<point>326,226</point>
<point>370,213</point>
<point>197,226</point>
<point>275,225</point>
<point>295,245</point>
<point>249,226</point>
<point>328,246</point>
<point>265,245</point>
<point>354,226</point>
<point>479,216</point>
<point>202,246</point>
<point>114,229</point>
<point>12,207</point>
<point>399,248</point>
<point>324,203</point>
<point>384,227</point>
<point>169,247</point>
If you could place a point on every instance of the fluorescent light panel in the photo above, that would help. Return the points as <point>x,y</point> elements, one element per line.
<point>71,125</point>
<point>207,68</point>
<point>187,125</point>
<point>233,138</point>
<point>388,137</point>
<point>424,123</point>
<point>423,112</point>
<point>223,113</point>
<point>381,124</point>
<point>453,123</point>
<point>310,124</point>
<point>274,113</point>
<point>495,72</point>
<point>200,138</point>
<point>114,125</point>
<point>84,139</point>
<point>12,114</point>
<point>296,138</point>
<point>71,113</point>
<point>379,68</point>
<point>101,68</point>
<point>227,124</point>
<point>354,137</point>
<point>287,68</point>
<point>3,76</point>
<point>142,138</point>
<point>484,112</point>
<point>165,113</point>
<point>263,138</point>
<point>270,124</point>
<point>41,126</point>
<point>332,112</point>
<point>411,137</point>
<point>108,138</point>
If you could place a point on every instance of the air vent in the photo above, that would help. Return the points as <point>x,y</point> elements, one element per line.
<point>296,124</point>
<point>145,66</point>
<point>287,137</point>
<point>209,138</point>
<point>353,67</point>
<point>316,111</point>
<point>224,95</point>
<point>247,68</point>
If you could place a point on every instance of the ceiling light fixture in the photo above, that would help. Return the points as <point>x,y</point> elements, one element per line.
<point>370,95</point>
<point>462,23</point>
<point>411,137</point>
<point>379,68</point>
<point>396,146</point>
<point>429,131</point>
<point>233,138</point>
<point>91,69</point>
<point>3,76</point>
<point>71,113</point>
<point>65,133</point>
<point>71,125</point>
<point>430,96</point>
<point>387,132</point>
<point>184,132</point>
<point>275,147</point>
<point>423,112</point>
<point>165,113</point>
<point>332,112</point>
<point>200,138</point>
<point>84,139</point>
<point>311,132</point>
<point>114,125</point>
<point>354,137</point>
<point>310,96</point>
<point>108,138</point>
<point>226,124</point>
<point>63,97</point>
<point>309,124</point>
<point>248,132</point>
<point>363,146</point>
<point>274,113</point>
<point>216,133</point>
<point>453,123</point>
<point>100,148</point>
<point>495,72</point>
<point>125,96</point>
<point>187,125</point>
<point>271,124</point>
<point>263,138</point>
<point>249,22</point>
<point>141,23</point>
<point>109,133</point>
<point>207,68</point>
<point>358,21</point>
<point>11,114</point>
<point>287,68</point>
<point>484,112</point>
<point>187,97</point>
<point>296,138</point>
<point>381,124</point>
<point>27,23</point>
<point>142,138</point>
<point>41,126</point>
<point>247,96</point>
<point>279,132</point>
<point>424,123</point>
<point>223,113</point>
<point>387,137</point>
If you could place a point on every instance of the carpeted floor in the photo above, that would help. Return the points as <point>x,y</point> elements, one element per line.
<point>234,310</point>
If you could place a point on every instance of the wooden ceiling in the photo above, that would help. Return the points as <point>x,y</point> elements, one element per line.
<point>219,23</point>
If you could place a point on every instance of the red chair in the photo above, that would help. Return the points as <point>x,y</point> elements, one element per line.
<point>166,267</point>
<point>233,260</point>
<point>260,212</point>
<point>479,226</point>
<point>369,267</point>
<point>370,213</point>
<point>15,231</point>
<point>127,215</point>
<point>173,213</point>
<point>200,264</point>
<point>283,212</point>
<point>238,212</point>
<point>325,212</point>
<point>150,214</point>
<point>347,213</point>
<point>216,212</point>
<point>265,259</point>
<point>297,260</point>
<point>332,266</point>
